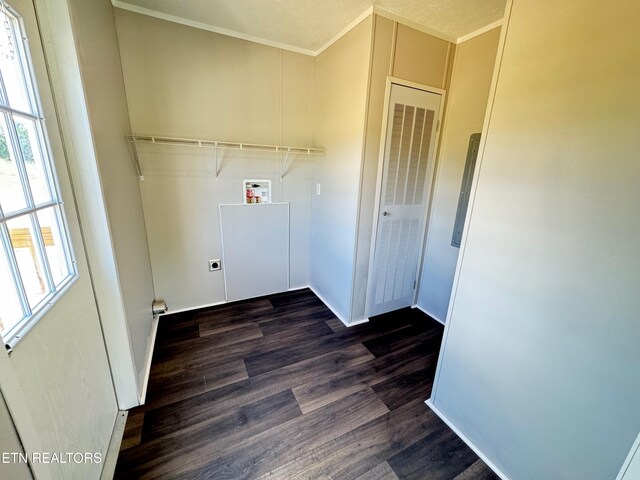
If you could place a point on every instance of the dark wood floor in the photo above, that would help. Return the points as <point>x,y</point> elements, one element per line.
<point>278,388</point>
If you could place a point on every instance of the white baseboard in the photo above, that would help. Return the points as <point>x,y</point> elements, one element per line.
<point>223,302</point>
<point>149,357</point>
<point>359,322</point>
<point>294,289</point>
<point>335,312</point>
<point>197,307</point>
<point>466,440</point>
<point>425,311</point>
<point>111,457</point>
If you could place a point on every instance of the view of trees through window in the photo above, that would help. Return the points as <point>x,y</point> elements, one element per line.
<point>25,146</point>
<point>35,256</point>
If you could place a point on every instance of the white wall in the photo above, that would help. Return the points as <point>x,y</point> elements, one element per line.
<point>342,73</point>
<point>99,57</point>
<point>540,360</point>
<point>186,82</point>
<point>466,106</point>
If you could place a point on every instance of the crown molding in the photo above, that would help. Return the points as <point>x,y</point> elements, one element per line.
<point>374,9</point>
<point>210,28</point>
<point>480,31</point>
<point>410,23</point>
<point>354,23</point>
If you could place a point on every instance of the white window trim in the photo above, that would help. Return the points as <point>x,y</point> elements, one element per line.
<point>32,315</point>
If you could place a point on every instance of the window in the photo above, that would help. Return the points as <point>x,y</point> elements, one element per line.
<point>35,256</point>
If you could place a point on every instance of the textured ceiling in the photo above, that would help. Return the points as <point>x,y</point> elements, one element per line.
<point>310,24</point>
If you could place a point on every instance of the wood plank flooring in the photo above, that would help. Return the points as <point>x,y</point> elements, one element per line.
<point>279,388</point>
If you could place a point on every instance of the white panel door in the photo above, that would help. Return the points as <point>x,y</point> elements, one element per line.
<point>57,382</point>
<point>10,444</point>
<point>404,195</point>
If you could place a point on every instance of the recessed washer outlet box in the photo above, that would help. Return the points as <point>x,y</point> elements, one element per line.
<point>215,264</point>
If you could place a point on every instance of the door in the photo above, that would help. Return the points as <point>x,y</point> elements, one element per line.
<point>56,380</point>
<point>407,168</point>
<point>14,467</point>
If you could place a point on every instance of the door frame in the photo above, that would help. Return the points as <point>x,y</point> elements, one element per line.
<point>56,34</point>
<point>430,180</point>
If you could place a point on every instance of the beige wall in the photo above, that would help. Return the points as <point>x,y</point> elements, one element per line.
<point>414,56</point>
<point>341,88</point>
<point>99,57</point>
<point>420,57</point>
<point>186,82</point>
<point>468,94</point>
<point>540,360</point>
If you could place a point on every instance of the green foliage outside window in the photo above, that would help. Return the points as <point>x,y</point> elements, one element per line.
<point>25,144</point>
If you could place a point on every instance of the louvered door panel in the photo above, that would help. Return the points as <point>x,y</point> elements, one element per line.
<point>407,162</point>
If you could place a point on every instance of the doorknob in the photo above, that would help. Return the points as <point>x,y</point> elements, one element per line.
<point>385,214</point>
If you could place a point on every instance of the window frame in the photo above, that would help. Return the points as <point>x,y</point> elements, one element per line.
<point>31,315</point>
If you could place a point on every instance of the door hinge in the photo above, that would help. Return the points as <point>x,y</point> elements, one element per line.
<point>414,284</point>
<point>437,126</point>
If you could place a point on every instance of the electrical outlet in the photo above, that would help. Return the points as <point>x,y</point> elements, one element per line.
<point>215,264</point>
<point>317,189</point>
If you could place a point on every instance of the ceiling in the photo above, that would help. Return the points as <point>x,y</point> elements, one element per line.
<point>308,25</point>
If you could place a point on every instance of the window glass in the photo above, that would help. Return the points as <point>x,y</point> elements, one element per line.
<point>35,256</point>
<point>13,74</point>
<point>33,160</point>
<point>54,244</point>
<point>11,193</point>
<point>27,254</point>
<point>10,308</point>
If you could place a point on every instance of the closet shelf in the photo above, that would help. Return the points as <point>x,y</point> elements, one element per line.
<point>193,142</point>
<point>221,145</point>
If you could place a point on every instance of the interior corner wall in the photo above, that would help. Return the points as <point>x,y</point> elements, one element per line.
<point>186,82</point>
<point>99,59</point>
<point>539,366</point>
<point>466,106</point>
<point>342,74</point>
<point>413,56</point>
<point>383,32</point>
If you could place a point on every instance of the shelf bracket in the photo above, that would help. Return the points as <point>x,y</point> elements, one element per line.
<point>284,165</point>
<point>136,160</point>
<point>217,167</point>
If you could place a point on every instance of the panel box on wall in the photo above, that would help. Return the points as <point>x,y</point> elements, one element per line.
<point>257,191</point>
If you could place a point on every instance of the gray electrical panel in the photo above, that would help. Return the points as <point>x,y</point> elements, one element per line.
<point>465,189</point>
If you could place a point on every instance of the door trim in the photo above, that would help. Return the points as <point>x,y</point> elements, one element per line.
<point>418,86</point>
<point>391,80</point>
<point>73,122</point>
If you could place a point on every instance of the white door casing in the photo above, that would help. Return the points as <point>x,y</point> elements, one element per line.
<point>404,193</point>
